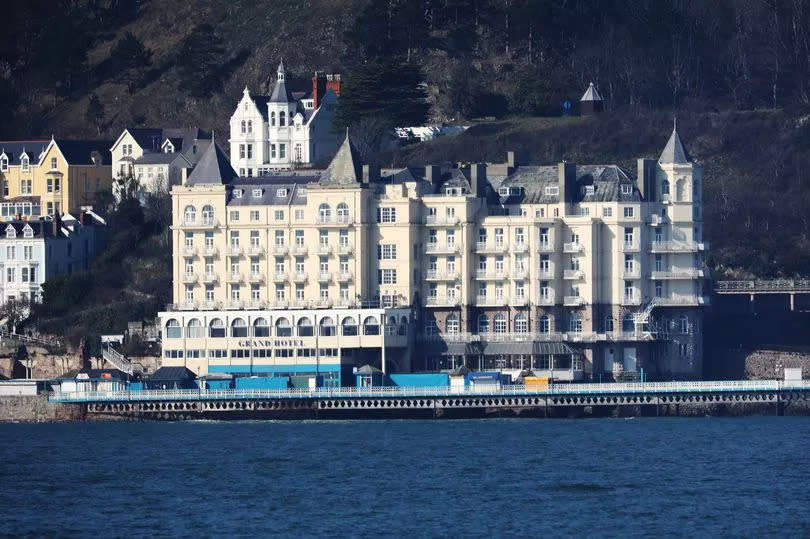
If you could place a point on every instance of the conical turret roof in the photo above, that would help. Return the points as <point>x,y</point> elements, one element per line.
<point>213,167</point>
<point>345,169</point>
<point>674,152</point>
<point>591,94</point>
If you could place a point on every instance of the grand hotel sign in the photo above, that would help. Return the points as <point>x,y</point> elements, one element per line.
<point>270,343</point>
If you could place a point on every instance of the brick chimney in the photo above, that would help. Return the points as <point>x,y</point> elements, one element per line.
<point>333,82</point>
<point>318,88</point>
<point>478,178</point>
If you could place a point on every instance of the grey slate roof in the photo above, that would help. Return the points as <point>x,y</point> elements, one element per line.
<point>213,168</point>
<point>270,186</point>
<point>280,92</point>
<point>591,94</point>
<point>345,169</point>
<point>15,148</point>
<point>159,158</point>
<point>606,179</point>
<point>151,138</point>
<point>674,152</point>
<point>172,374</point>
<point>79,152</point>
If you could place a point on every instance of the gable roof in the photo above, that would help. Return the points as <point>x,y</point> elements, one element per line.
<point>212,168</point>
<point>79,152</point>
<point>15,148</point>
<point>674,152</point>
<point>172,374</point>
<point>345,169</point>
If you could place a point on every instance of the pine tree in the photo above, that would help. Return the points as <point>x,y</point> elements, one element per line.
<point>130,59</point>
<point>95,112</point>
<point>199,60</point>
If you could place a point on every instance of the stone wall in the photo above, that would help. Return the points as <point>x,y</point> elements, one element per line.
<point>37,410</point>
<point>762,364</point>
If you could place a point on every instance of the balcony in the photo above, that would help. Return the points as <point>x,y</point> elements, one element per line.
<point>189,251</point>
<point>545,299</point>
<point>256,250</point>
<point>324,277</point>
<point>572,248</point>
<point>573,301</point>
<point>299,304</point>
<point>484,247</point>
<point>280,249</point>
<point>323,303</point>
<point>254,304</point>
<point>345,249</point>
<point>520,247</point>
<point>200,223</point>
<point>185,306</point>
<point>340,220</point>
<point>435,275</point>
<point>280,304</point>
<point>520,273</point>
<point>519,301</point>
<point>235,304</point>
<point>497,274</point>
<point>573,274</point>
<point>677,273</point>
<point>445,220</point>
<point>630,247</point>
<point>657,220</point>
<point>631,273</point>
<point>545,246</point>
<point>324,249</point>
<point>210,305</point>
<point>299,250</point>
<point>344,303</point>
<point>344,276</point>
<point>491,301</point>
<point>210,251</point>
<point>546,273</point>
<point>234,250</point>
<point>682,301</point>
<point>443,248</point>
<point>677,246</point>
<point>190,277</point>
<point>210,278</point>
<point>300,276</point>
<point>633,298</point>
<point>441,301</point>
<point>234,277</point>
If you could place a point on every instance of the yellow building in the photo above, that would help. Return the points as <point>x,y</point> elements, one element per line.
<point>47,177</point>
<point>571,271</point>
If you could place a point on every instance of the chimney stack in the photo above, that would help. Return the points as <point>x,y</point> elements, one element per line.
<point>646,179</point>
<point>371,173</point>
<point>433,174</point>
<point>478,178</point>
<point>318,88</point>
<point>567,176</point>
<point>333,82</point>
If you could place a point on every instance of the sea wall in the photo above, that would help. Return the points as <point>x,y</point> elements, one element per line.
<point>37,409</point>
<point>768,364</point>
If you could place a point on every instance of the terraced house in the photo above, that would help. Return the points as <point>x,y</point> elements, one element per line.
<point>571,271</point>
<point>48,177</point>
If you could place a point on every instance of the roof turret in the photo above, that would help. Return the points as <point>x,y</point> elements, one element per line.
<point>674,152</point>
<point>213,168</point>
<point>345,169</point>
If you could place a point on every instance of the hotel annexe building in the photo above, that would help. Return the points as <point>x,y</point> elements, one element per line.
<point>571,271</point>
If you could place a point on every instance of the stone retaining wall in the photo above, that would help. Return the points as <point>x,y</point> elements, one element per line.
<point>37,410</point>
<point>762,364</point>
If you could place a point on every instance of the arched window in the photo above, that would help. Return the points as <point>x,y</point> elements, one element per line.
<point>283,328</point>
<point>195,329</point>
<point>261,328</point>
<point>609,324</point>
<point>324,212</point>
<point>208,214</point>
<point>305,327</point>
<point>483,323</point>
<point>343,212</point>
<point>173,330</point>
<point>216,328</point>
<point>243,126</point>
<point>239,328</point>
<point>403,325</point>
<point>500,323</point>
<point>349,326</point>
<point>628,323</point>
<point>575,323</point>
<point>250,126</point>
<point>190,215</point>
<point>282,118</point>
<point>544,324</point>
<point>391,326</point>
<point>680,190</point>
<point>326,327</point>
<point>683,324</point>
<point>371,326</point>
<point>665,188</point>
<point>272,118</point>
<point>521,323</point>
<point>451,324</point>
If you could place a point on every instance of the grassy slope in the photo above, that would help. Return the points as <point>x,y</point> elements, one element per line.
<point>754,172</point>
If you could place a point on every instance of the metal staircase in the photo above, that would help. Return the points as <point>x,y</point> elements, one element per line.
<point>117,360</point>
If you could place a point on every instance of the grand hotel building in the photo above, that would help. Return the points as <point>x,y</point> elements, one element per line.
<point>572,271</point>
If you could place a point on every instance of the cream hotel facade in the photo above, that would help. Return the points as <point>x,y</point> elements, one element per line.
<point>570,271</point>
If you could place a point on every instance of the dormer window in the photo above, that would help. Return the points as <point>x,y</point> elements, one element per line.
<point>589,190</point>
<point>257,193</point>
<point>24,163</point>
<point>10,232</point>
<point>169,147</point>
<point>281,193</point>
<point>302,191</point>
<point>28,232</point>
<point>627,189</point>
<point>3,164</point>
<point>552,191</point>
<point>237,193</point>
<point>452,191</point>
<point>503,191</point>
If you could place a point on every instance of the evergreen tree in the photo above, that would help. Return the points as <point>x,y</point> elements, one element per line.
<point>130,59</point>
<point>388,88</point>
<point>198,61</point>
<point>95,112</point>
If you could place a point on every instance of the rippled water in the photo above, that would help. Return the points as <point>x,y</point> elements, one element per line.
<point>600,477</point>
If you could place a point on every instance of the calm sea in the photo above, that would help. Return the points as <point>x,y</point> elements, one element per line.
<point>598,477</point>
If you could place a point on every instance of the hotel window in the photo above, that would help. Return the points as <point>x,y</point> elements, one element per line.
<point>279,265</point>
<point>450,212</point>
<point>659,234</point>
<point>499,290</point>
<point>189,293</point>
<point>282,151</point>
<point>556,212</point>
<point>241,151</point>
<point>520,263</point>
<point>628,212</point>
<point>344,264</point>
<point>499,237</point>
<point>432,264</point>
<point>386,215</point>
<point>33,271</point>
<point>451,324</point>
<point>189,241</point>
<point>387,251</point>
<point>500,323</point>
<point>299,215</point>
<point>10,254</point>
<point>299,292</point>
<point>273,150</point>
<point>9,275</point>
<point>520,238</point>
<point>627,189</point>
<point>26,187</point>
<point>254,216</point>
<point>24,274</point>
<point>280,292</point>
<point>254,265</point>
<point>254,239</point>
<point>173,329</point>
<point>234,266</point>
<point>209,240</point>
<point>243,129</point>
<point>659,263</point>
<point>521,323</point>
<point>299,264</point>
<point>279,239</point>
<point>344,291</point>
<point>28,252</point>
<point>544,325</point>
<point>189,266</point>
<point>4,164</point>
<point>323,264</point>
<point>241,171</point>
<point>433,290</point>
<point>323,238</point>
<point>5,188</point>
<point>482,263</point>
<point>451,265</point>
<point>234,292</point>
<point>432,237</point>
<point>250,151</point>
<point>451,238</point>
<point>299,238</point>
<point>629,292</point>
<point>387,276</point>
<point>343,238</point>
<point>552,191</point>
<point>575,323</point>
<point>234,239</point>
<point>482,235</point>
<point>544,290</point>
<point>209,266</point>
<point>659,289</point>
<point>683,324</point>
<point>323,292</point>
<point>234,215</point>
<point>24,163</point>
<point>628,236</point>
<point>279,214</point>
<point>299,153</point>
<point>628,263</point>
<point>53,163</point>
<point>499,264</point>
<point>520,290</point>
<point>607,212</point>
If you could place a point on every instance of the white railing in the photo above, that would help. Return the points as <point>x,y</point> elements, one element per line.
<point>441,391</point>
<point>678,246</point>
<point>572,247</point>
<point>572,274</point>
<point>677,273</point>
<point>117,360</point>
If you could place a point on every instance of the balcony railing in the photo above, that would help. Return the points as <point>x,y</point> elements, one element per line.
<point>210,305</point>
<point>235,304</point>
<point>323,303</point>
<point>490,274</point>
<point>255,304</point>
<point>631,273</point>
<point>234,250</point>
<point>200,223</point>
<point>520,247</point>
<point>344,276</point>
<point>440,248</point>
<point>520,273</point>
<point>545,299</point>
<point>210,278</point>
<point>631,299</point>
<point>573,274</point>
<point>279,249</point>
<point>338,220</point>
<point>572,247</point>
<point>435,275</point>
<point>519,301</point>
<point>677,246</point>
<point>210,251</point>
<point>324,249</point>
<point>189,251</point>
<point>256,249</point>
<point>190,277</point>
<point>234,277</point>
<point>545,273</point>
<point>491,301</point>
<point>484,247</point>
<point>545,246</point>
<point>573,301</point>
<point>345,249</point>
<point>299,249</point>
<point>677,273</point>
<point>448,220</point>
<point>629,246</point>
<point>300,276</point>
<point>686,300</point>
<point>441,301</point>
<point>280,276</point>
<point>324,276</point>
<point>280,304</point>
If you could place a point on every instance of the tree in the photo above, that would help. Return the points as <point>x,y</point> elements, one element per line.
<point>130,59</point>
<point>95,112</point>
<point>389,88</point>
<point>198,61</point>
<point>15,311</point>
